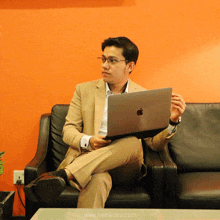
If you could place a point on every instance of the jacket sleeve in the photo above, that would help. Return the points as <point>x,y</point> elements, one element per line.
<point>72,130</point>
<point>159,141</point>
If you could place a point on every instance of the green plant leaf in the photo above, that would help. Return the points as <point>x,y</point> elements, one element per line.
<point>1,169</point>
<point>1,154</point>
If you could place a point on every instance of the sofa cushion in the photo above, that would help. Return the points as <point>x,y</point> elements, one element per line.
<point>199,190</point>
<point>120,197</point>
<point>196,145</point>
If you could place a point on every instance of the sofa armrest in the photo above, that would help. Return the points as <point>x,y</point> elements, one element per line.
<point>37,165</point>
<point>166,158</point>
<point>155,175</point>
<point>170,177</point>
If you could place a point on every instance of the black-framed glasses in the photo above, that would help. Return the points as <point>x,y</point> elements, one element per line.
<point>110,60</point>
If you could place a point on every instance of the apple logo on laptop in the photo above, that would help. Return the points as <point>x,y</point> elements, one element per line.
<point>140,112</point>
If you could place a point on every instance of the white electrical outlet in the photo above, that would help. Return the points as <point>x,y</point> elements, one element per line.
<point>18,175</point>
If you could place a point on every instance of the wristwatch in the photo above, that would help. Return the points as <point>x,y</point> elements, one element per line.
<point>175,123</point>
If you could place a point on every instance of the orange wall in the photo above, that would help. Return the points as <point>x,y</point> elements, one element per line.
<point>47,47</point>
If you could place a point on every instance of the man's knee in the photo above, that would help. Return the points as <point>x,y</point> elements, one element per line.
<point>134,144</point>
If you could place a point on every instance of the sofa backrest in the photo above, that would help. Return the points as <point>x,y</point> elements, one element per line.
<point>196,145</point>
<point>57,148</point>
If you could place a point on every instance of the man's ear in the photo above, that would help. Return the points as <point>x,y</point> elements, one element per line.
<point>131,66</point>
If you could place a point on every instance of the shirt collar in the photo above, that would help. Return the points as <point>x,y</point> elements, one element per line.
<point>108,91</point>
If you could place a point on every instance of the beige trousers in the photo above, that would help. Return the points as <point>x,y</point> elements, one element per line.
<point>118,163</point>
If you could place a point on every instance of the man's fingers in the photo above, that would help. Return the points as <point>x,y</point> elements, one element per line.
<point>101,140</point>
<point>98,141</point>
<point>178,104</point>
<point>178,100</point>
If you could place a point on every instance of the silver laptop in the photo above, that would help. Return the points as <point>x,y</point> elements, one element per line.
<point>141,114</point>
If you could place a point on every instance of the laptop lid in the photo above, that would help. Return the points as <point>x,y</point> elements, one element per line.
<point>141,114</point>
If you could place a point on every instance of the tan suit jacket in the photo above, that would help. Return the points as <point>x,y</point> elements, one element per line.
<point>85,116</point>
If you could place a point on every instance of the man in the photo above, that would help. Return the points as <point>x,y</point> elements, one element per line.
<point>92,163</point>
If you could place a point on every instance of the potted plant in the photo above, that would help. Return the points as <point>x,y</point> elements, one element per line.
<point>1,163</point>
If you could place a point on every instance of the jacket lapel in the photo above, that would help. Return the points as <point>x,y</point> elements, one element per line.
<point>100,92</point>
<point>132,86</point>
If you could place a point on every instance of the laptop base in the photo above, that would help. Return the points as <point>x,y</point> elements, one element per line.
<point>139,135</point>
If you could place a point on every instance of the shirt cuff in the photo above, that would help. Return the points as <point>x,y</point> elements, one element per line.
<point>84,142</point>
<point>171,129</point>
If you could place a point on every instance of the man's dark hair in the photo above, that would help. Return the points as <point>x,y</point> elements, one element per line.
<point>130,50</point>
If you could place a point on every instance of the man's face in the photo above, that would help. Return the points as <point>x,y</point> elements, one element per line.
<point>115,70</point>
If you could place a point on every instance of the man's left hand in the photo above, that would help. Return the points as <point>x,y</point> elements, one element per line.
<point>177,107</point>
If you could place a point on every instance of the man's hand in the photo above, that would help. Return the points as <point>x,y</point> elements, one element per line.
<point>98,141</point>
<point>177,107</point>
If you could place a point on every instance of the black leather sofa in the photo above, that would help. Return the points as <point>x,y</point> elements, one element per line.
<point>51,151</point>
<point>192,160</point>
